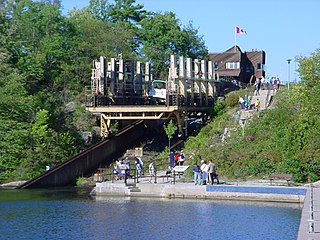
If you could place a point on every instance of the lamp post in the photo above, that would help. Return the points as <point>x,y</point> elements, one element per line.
<point>242,123</point>
<point>289,60</point>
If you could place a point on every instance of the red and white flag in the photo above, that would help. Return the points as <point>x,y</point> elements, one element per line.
<point>240,31</point>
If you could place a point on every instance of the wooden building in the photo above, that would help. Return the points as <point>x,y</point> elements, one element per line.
<point>234,64</point>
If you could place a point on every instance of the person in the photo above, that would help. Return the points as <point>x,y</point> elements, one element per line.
<point>257,104</point>
<point>141,163</point>
<point>138,166</point>
<point>176,158</point>
<point>204,172</point>
<point>196,174</point>
<point>123,169</point>
<point>278,84</point>
<point>126,162</point>
<point>246,102</point>
<point>241,102</point>
<point>212,173</point>
<point>171,160</point>
<point>181,158</point>
<point>152,172</point>
<point>257,87</point>
<point>116,170</point>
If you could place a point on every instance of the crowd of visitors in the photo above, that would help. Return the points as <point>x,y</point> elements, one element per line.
<point>176,159</point>
<point>121,169</point>
<point>205,174</point>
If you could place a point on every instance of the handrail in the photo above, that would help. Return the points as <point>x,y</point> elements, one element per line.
<point>311,212</point>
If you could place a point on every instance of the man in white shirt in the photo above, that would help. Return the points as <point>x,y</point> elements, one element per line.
<point>204,172</point>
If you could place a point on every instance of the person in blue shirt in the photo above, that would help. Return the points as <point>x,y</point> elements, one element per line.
<point>196,174</point>
<point>171,160</point>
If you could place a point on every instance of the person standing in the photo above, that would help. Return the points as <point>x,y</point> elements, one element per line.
<point>257,87</point>
<point>176,158</point>
<point>257,104</point>
<point>212,173</point>
<point>196,174</point>
<point>152,172</point>
<point>181,158</point>
<point>138,166</point>
<point>171,160</point>
<point>204,172</point>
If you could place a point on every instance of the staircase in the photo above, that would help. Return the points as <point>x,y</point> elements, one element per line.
<point>133,187</point>
<point>265,98</point>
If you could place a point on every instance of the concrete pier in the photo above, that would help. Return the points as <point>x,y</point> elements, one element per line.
<point>189,190</point>
<point>309,228</point>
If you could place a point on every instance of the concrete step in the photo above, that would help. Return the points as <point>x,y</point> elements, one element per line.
<point>135,189</point>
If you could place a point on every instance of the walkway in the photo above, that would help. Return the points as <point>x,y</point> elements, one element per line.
<point>310,230</point>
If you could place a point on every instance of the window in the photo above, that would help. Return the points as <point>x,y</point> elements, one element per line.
<point>232,65</point>
<point>260,66</point>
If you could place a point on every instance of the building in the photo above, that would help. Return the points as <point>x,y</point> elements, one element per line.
<point>234,64</point>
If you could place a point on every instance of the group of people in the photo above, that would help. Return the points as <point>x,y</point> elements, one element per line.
<point>205,174</point>
<point>176,159</point>
<point>139,167</point>
<point>272,84</point>
<point>245,103</point>
<point>121,169</point>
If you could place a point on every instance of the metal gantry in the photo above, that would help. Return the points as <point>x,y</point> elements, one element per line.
<point>120,91</point>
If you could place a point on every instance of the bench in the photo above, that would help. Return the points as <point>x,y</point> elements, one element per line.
<point>281,176</point>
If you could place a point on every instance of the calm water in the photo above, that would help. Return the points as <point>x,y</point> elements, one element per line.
<point>72,214</point>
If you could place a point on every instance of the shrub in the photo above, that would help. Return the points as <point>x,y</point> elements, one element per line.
<point>232,100</point>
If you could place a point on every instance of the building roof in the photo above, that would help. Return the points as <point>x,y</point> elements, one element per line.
<point>233,54</point>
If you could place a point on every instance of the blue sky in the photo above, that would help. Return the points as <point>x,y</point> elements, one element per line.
<point>282,28</point>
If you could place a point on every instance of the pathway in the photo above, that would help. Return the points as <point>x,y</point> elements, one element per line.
<point>310,230</point>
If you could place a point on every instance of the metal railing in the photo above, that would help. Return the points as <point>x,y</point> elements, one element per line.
<point>311,210</point>
<point>108,174</point>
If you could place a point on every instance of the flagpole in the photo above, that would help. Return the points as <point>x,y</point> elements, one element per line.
<point>235,40</point>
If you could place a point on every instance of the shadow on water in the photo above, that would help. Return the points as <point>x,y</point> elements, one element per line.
<point>65,193</point>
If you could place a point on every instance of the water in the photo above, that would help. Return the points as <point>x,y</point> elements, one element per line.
<point>71,214</point>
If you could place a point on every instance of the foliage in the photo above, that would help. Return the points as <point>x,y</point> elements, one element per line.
<point>232,100</point>
<point>170,129</point>
<point>45,63</point>
<point>280,140</point>
<point>163,35</point>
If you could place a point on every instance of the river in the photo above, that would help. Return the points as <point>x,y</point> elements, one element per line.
<point>70,213</point>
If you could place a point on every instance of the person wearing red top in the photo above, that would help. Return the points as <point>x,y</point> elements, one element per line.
<point>176,158</point>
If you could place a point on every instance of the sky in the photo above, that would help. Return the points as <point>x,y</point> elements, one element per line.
<point>284,29</point>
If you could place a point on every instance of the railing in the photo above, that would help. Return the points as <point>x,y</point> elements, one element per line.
<point>108,174</point>
<point>311,211</point>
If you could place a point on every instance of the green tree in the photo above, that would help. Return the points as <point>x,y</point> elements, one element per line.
<point>170,129</point>
<point>126,11</point>
<point>163,35</point>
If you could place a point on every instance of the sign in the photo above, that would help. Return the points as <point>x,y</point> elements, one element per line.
<point>180,169</point>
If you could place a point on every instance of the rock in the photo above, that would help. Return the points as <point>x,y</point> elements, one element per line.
<point>12,184</point>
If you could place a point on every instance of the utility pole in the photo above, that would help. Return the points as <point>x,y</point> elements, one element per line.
<point>289,60</point>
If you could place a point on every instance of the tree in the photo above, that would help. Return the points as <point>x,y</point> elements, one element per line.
<point>126,11</point>
<point>163,35</point>
<point>170,129</point>
<point>99,9</point>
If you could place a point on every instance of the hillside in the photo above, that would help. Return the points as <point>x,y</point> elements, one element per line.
<point>284,139</point>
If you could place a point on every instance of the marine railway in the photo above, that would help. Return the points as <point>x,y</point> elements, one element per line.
<point>124,91</point>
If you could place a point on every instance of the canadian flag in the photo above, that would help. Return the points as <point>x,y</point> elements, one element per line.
<point>240,31</point>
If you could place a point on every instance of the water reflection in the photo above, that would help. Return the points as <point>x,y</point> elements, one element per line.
<point>72,214</point>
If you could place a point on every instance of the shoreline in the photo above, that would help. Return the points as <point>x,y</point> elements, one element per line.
<point>259,193</point>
